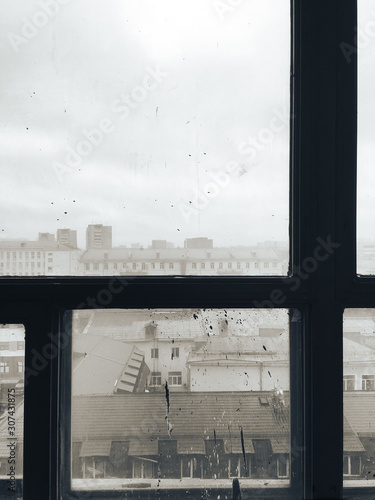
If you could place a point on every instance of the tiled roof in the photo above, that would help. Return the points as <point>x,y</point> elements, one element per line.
<point>201,415</point>
<point>234,445</point>
<point>280,445</point>
<point>243,347</point>
<point>359,409</point>
<point>95,449</point>
<point>173,254</point>
<point>143,447</point>
<point>191,446</point>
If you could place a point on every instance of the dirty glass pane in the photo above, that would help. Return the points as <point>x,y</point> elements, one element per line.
<point>12,362</point>
<point>359,397</point>
<point>144,417</point>
<point>366,143</point>
<point>144,137</point>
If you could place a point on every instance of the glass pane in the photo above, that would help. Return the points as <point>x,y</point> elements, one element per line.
<point>366,143</point>
<point>218,411</point>
<point>145,137</point>
<point>12,362</point>
<point>359,397</point>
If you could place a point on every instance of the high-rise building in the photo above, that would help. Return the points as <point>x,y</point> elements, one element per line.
<point>201,242</point>
<point>98,236</point>
<point>67,237</point>
<point>46,237</point>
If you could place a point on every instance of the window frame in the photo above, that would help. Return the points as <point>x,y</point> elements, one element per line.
<point>323,146</point>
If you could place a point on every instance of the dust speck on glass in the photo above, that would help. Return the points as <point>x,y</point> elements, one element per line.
<point>219,410</point>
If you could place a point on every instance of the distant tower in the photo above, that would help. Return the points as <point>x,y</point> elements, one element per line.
<point>198,243</point>
<point>67,237</point>
<point>49,237</point>
<point>98,236</point>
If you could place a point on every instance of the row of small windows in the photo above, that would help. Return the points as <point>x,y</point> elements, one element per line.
<point>10,346</point>
<point>195,265</point>
<point>174,379</point>
<point>23,255</point>
<point>368,383</point>
<point>5,367</point>
<point>175,353</point>
<point>20,265</point>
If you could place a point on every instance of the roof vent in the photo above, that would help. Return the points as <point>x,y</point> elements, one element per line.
<point>263,401</point>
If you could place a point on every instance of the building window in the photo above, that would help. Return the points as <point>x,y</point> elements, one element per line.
<point>155,379</point>
<point>212,265</point>
<point>96,267</point>
<point>134,266</point>
<point>247,265</point>
<point>143,266</point>
<point>237,467</point>
<point>87,267</point>
<point>154,353</point>
<point>94,468</point>
<point>194,265</point>
<point>105,266</point>
<point>19,366</point>
<point>50,259</point>
<point>229,265</point>
<point>220,265</point>
<point>14,255</point>
<point>274,265</point>
<point>368,382</point>
<point>115,266</point>
<point>266,265</point>
<point>20,345</point>
<point>203,265</point>
<point>283,466</point>
<point>175,352</point>
<point>191,467</point>
<point>174,379</point>
<point>352,465</point>
<point>124,265</point>
<point>161,265</point>
<point>152,265</point>
<point>238,265</point>
<point>349,383</point>
<point>143,468</point>
<point>4,346</point>
<point>38,255</point>
<point>33,255</point>
<point>4,367</point>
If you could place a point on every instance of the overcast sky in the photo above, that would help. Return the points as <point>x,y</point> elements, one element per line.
<point>222,77</point>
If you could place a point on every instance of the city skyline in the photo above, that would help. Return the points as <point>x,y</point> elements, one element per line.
<point>168,127</point>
